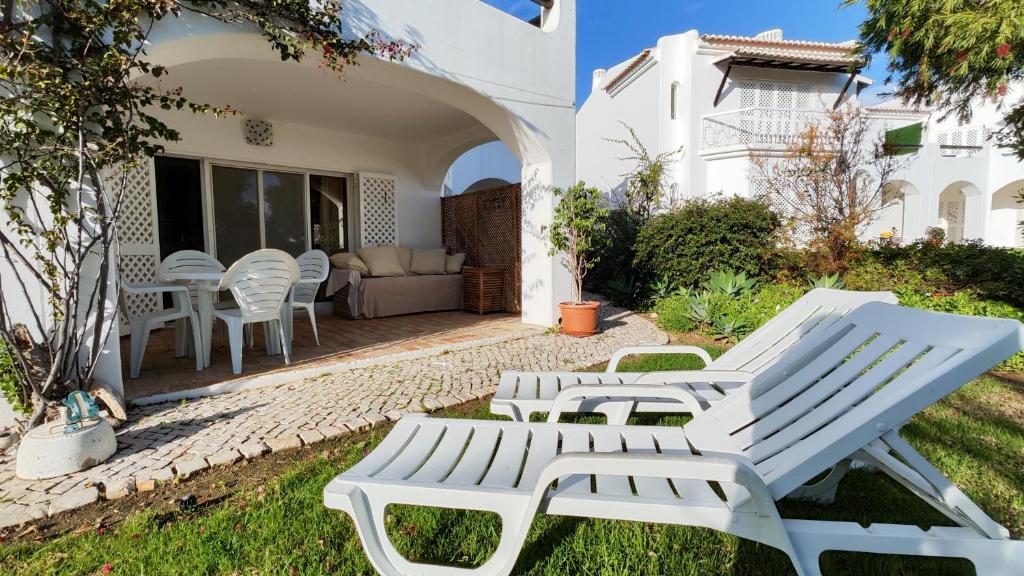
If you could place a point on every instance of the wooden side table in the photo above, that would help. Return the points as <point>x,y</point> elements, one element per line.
<point>483,290</point>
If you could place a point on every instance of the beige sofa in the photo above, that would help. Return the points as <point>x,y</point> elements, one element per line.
<point>406,282</point>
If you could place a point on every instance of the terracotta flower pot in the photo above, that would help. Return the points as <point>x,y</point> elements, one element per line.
<point>579,319</point>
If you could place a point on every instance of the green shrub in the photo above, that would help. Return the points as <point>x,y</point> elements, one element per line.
<point>9,380</point>
<point>704,235</point>
<point>616,257</point>
<point>674,313</point>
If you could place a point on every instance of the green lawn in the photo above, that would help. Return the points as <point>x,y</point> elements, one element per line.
<point>976,437</point>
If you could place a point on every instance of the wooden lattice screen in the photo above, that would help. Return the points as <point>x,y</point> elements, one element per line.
<point>486,226</point>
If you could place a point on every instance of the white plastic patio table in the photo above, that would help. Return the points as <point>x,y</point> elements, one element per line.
<point>208,282</point>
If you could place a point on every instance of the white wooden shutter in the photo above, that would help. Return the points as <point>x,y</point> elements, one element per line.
<point>138,235</point>
<point>378,210</point>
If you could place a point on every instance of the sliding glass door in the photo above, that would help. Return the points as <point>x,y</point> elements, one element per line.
<point>255,208</point>
<point>236,212</point>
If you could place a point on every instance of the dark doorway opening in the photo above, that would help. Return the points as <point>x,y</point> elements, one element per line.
<point>179,199</point>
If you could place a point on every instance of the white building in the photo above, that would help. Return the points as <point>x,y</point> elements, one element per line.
<point>374,147</point>
<point>724,99</point>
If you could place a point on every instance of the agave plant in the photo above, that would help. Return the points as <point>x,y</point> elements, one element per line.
<point>729,329</point>
<point>622,291</point>
<point>826,281</point>
<point>730,282</point>
<point>700,310</point>
<point>663,287</point>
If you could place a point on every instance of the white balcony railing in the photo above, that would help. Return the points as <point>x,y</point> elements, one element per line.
<point>755,126</point>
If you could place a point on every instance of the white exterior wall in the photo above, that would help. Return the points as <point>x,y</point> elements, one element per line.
<point>988,178</point>
<point>599,162</point>
<point>516,80</point>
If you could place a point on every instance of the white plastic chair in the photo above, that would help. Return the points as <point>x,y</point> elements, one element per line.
<point>520,394</point>
<point>314,268</point>
<point>818,406</point>
<point>141,326</point>
<point>186,261</point>
<point>260,283</point>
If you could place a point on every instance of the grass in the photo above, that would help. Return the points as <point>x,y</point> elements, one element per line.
<point>976,437</point>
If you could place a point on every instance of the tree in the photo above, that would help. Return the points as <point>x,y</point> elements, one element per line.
<point>645,184</point>
<point>76,95</point>
<point>577,232</point>
<point>951,54</point>
<point>829,182</point>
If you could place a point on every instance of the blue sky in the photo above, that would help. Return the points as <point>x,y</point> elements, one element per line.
<point>611,31</point>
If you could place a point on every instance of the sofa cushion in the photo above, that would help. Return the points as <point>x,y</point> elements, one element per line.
<point>347,261</point>
<point>453,264</point>
<point>382,261</point>
<point>405,259</point>
<point>428,261</point>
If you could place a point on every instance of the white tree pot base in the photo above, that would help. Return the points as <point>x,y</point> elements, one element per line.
<point>46,451</point>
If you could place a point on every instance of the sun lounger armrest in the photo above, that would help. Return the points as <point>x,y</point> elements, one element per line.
<point>613,364</point>
<point>679,376</point>
<point>627,391</point>
<point>727,468</point>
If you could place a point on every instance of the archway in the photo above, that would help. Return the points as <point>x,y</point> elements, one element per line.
<point>486,166</point>
<point>1007,214</point>
<point>960,212</point>
<point>901,212</point>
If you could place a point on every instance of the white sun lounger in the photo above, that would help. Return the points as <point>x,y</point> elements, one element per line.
<point>866,375</point>
<point>521,394</point>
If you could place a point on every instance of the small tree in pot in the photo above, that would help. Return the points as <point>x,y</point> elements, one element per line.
<point>577,234</point>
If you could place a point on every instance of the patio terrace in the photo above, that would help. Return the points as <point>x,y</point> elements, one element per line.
<point>164,377</point>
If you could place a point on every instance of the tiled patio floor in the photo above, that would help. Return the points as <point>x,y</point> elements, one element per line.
<point>173,440</point>
<point>340,341</point>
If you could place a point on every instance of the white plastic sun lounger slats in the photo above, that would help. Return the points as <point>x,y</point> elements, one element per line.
<point>471,468</point>
<point>386,451</point>
<point>548,385</point>
<point>520,394</point>
<point>610,441</point>
<point>800,425</point>
<point>882,365</point>
<point>508,459</point>
<point>696,492</point>
<point>797,382</point>
<point>575,440</point>
<point>543,447</point>
<point>413,455</point>
<point>642,442</point>
<point>444,458</point>
<point>809,387</point>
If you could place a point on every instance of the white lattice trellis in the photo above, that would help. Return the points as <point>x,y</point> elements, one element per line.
<point>953,212</point>
<point>138,237</point>
<point>378,207</point>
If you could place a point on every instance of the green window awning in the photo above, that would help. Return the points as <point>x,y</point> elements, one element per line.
<point>905,140</point>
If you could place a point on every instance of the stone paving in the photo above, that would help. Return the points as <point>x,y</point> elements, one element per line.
<point>162,442</point>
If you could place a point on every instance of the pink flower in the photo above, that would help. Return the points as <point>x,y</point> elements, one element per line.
<point>1001,90</point>
<point>1003,50</point>
<point>107,568</point>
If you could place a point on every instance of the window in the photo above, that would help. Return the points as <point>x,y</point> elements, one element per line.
<point>674,100</point>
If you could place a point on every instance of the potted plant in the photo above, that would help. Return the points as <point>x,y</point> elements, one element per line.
<point>576,233</point>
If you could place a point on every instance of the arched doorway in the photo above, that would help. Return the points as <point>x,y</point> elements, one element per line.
<point>1007,214</point>
<point>959,212</point>
<point>485,166</point>
<point>901,212</point>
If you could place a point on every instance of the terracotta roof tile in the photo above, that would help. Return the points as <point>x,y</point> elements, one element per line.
<point>628,70</point>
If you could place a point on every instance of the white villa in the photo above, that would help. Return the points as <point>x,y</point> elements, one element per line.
<point>723,99</point>
<point>359,160</point>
